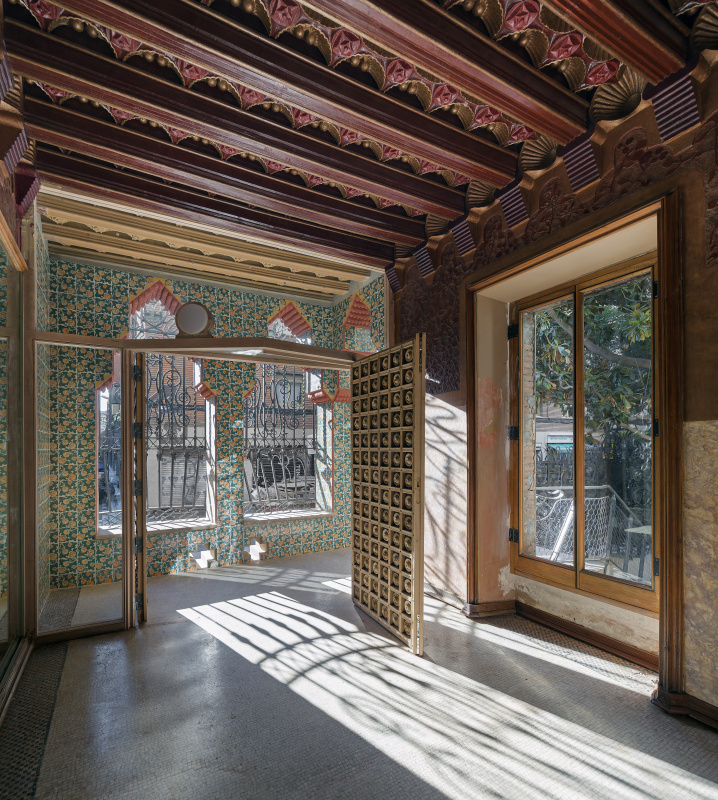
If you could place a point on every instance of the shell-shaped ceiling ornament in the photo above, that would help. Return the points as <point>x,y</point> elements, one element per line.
<point>402,250</point>
<point>479,195</point>
<point>617,100</point>
<point>435,225</point>
<point>537,154</point>
<point>704,35</point>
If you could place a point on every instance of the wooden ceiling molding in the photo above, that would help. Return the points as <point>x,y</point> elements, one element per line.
<point>306,150</point>
<point>546,38</point>
<point>52,17</point>
<point>620,28</point>
<point>82,176</point>
<point>60,209</point>
<point>89,137</point>
<point>132,93</point>
<point>426,40</point>
<point>339,44</point>
<point>218,47</point>
<point>222,151</point>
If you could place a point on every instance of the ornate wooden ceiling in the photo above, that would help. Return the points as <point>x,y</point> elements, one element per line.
<point>347,129</point>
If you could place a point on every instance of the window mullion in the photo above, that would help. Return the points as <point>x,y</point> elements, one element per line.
<point>578,435</point>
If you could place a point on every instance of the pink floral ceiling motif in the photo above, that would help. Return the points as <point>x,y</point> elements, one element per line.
<point>50,17</point>
<point>225,152</point>
<point>529,23</point>
<point>339,44</point>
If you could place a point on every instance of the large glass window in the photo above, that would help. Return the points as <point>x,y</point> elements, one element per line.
<point>586,434</point>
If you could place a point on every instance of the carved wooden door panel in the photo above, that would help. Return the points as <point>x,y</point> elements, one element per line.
<point>387,489</point>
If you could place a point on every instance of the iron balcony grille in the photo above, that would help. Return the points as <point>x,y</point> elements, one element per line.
<point>280,435</point>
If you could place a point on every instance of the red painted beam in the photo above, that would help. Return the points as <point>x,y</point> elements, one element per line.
<point>429,37</point>
<point>42,57</point>
<point>620,28</point>
<point>203,37</point>
<point>70,130</point>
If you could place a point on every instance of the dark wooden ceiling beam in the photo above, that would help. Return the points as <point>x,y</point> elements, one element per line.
<point>48,59</point>
<point>621,28</point>
<point>202,36</point>
<point>429,37</point>
<point>91,179</point>
<point>77,132</point>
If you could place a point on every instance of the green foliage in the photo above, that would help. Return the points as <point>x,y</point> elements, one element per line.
<point>617,354</point>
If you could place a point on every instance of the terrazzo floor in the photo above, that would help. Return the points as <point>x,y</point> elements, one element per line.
<point>265,681</point>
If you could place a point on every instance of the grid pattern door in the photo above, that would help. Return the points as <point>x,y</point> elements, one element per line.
<point>387,489</point>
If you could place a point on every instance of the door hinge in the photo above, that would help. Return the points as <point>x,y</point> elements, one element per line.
<point>656,567</point>
<point>512,332</point>
<point>655,427</point>
<point>137,545</point>
<point>136,372</point>
<point>513,433</point>
<point>655,289</point>
<point>514,535</point>
<point>136,430</point>
<point>139,601</point>
<point>137,487</point>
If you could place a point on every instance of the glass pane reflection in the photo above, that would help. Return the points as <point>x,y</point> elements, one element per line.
<point>617,436</point>
<point>547,431</point>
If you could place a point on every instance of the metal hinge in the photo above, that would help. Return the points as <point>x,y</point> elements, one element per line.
<point>655,289</point>
<point>139,601</point>
<point>656,567</point>
<point>513,433</point>
<point>512,331</point>
<point>655,427</point>
<point>137,488</point>
<point>137,545</point>
<point>136,430</point>
<point>514,535</point>
<point>136,372</point>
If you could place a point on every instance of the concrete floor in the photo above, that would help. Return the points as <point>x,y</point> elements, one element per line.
<point>264,681</point>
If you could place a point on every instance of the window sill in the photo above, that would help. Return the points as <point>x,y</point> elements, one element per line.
<point>286,516</point>
<point>175,526</point>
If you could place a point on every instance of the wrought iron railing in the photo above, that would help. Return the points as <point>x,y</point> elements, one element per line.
<point>280,436</point>
<point>178,440</point>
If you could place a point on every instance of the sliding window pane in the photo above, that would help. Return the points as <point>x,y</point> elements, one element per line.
<point>617,436</point>
<point>547,432</point>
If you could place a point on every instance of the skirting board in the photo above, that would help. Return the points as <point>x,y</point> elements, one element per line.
<point>627,651</point>
<point>479,610</point>
<point>680,703</point>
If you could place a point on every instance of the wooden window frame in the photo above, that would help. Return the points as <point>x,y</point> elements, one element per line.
<point>576,577</point>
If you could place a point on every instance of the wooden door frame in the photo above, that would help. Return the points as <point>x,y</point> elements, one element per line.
<point>665,198</point>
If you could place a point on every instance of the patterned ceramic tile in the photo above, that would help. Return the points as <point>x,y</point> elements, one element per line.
<point>82,299</point>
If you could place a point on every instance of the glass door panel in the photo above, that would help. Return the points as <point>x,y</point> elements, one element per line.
<point>6,573</point>
<point>618,430</point>
<point>546,415</point>
<point>80,494</point>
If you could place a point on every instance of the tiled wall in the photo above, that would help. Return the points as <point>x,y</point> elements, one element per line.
<point>89,300</point>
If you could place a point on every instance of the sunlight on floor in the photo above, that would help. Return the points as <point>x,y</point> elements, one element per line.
<point>433,721</point>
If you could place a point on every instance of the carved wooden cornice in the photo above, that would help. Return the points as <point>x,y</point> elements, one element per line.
<point>63,210</point>
<point>343,115</point>
<point>226,152</point>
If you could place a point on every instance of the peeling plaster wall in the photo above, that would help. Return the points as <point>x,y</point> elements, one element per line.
<point>629,627</point>
<point>700,559</point>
